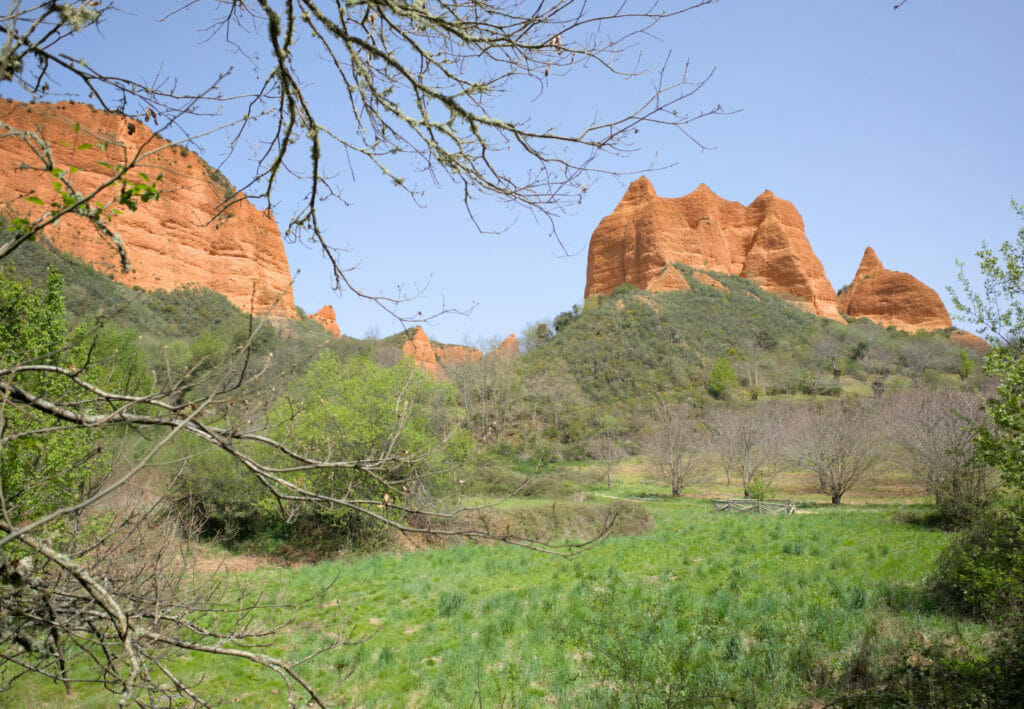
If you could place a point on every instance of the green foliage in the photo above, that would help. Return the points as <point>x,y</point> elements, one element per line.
<point>356,409</point>
<point>722,379</point>
<point>650,655</point>
<point>759,486</point>
<point>339,410</point>
<point>965,365</point>
<point>998,310</point>
<point>982,571</point>
<point>562,320</point>
<point>632,348</point>
<point>47,464</point>
<point>986,566</point>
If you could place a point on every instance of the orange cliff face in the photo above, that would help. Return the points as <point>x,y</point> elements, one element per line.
<point>893,298</point>
<point>418,348</point>
<point>182,238</point>
<point>326,317</point>
<point>438,359</point>
<point>449,356</point>
<point>763,241</point>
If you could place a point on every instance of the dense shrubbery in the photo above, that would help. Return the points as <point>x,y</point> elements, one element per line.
<point>41,472</point>
<point>349,409</point>
<point>632,347</point>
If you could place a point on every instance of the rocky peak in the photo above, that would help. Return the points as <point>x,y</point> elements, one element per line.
<point>326,317</point>
<point>892,298</point>
<point>763,241</point>
<point>187,237</point>
<point>509,347</point>
<point>439,359</point>
<point>418,348</point>
<point>449,356</point>
<point>639,190</point>
<point>869,264</point>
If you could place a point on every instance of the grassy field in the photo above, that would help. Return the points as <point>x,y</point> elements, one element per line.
<point>708,609</point>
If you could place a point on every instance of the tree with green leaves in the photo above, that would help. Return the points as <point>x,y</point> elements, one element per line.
<point>984,569</point>
<point>997,310</point>
<point>41,469</point>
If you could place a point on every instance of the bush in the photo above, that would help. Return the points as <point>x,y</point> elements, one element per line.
<point>47,463</point>
<point>349,410</point>
<point>722,379</point>
<point>982,570</point>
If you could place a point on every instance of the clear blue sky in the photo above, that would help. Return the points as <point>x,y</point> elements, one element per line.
<point>895,129</point>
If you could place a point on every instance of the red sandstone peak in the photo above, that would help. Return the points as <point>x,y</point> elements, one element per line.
<point>509,347</point>
<point>419,349</point>
<point>764,241</point>
<point>437,358</point>
<point>869,263</point>
<point>183,238</point>
<point>325,316</point>
<point>892,298</point>
<point>639,190</point>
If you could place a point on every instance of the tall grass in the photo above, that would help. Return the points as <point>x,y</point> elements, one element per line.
<point>709,609</point>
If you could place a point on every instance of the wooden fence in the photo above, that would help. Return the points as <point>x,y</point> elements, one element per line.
<point>772,507</point>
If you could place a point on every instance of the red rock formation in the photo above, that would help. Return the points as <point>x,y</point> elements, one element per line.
<point>418,348</point>
<point>436,358</point>
<point>764,241</point>
<point>182,238</point>
<point>968,339</point>
<point>326,317</point>
<point>892,298</point>
<point>509,347</point>
<point>449,356</point>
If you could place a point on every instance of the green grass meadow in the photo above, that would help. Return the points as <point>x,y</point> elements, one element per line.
<point>710,609</point>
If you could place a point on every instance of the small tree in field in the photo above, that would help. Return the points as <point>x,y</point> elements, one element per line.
<point>839,444</point>
<point>750,444</point>
<point>677,446</point>
<point>608,452</point>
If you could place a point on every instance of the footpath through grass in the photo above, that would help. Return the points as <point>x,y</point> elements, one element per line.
<point>709,609</point>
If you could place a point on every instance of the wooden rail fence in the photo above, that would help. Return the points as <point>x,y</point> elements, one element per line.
<point>772,507</point>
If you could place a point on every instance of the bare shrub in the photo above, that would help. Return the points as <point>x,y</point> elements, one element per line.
<point>840,444</point>
<point>608,452</point>
<point>751,444</point>
<point>677,446</point>
<point>934,432</point>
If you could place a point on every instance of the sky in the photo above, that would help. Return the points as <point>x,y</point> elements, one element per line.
<point>896,129</point>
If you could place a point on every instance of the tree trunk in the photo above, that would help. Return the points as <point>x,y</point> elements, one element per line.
<point>836,497</point>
